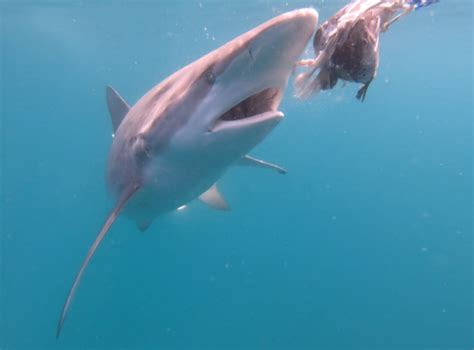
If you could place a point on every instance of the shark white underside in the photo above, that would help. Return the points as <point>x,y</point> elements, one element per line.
<point>178,139</point>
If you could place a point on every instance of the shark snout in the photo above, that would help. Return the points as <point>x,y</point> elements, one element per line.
<point>286,36</point>
<point>302,22</point>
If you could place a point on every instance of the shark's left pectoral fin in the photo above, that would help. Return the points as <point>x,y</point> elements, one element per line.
<point>254,162</point>
<point>214,199</point>
<point>117,106</point>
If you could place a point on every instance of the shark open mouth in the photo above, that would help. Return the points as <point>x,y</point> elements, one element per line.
<point>264,101</point>
<point>255,105</point>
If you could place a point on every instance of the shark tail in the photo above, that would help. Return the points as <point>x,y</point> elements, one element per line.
<point>102,233</point>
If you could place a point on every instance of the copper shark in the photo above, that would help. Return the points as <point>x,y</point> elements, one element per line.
<point>179,138</point>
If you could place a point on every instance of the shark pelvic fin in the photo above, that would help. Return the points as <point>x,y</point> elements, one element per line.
<point>105,228</point>
<point>214,199</point>
<point>117,106</point>
<point>254,162</point>
<point>143,225</point>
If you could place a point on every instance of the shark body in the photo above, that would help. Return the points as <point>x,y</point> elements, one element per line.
<point>179,138</point>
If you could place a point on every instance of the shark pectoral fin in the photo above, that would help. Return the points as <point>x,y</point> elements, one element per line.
<point>254,162</point>
<point>117,106</point>
<point>144,225</point>
<point>214,199</point>
<point>105,228</point>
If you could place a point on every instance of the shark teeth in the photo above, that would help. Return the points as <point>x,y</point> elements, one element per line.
<point>255,119</point>
<point>263,103</point>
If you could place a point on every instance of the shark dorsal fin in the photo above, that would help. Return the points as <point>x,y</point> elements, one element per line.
<point>117,106</point>
<point>214,199</point>
<point>105,228</point>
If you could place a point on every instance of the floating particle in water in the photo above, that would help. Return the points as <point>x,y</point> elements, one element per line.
<point>425,214</point>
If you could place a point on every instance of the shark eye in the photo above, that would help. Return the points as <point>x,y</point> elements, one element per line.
<point>211,79</point>
<point>141,149</point>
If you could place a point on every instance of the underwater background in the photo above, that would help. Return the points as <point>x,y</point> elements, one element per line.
<point>366,243</point>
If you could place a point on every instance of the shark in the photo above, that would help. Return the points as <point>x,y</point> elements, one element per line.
<point>176,141</point>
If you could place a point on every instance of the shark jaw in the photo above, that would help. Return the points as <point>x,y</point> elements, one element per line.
<point>179,138</point>
<point>255,108</point>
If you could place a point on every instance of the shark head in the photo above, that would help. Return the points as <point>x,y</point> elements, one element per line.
<point>177,140</point>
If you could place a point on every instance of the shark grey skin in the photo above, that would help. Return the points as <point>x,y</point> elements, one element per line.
<point>179,138</point>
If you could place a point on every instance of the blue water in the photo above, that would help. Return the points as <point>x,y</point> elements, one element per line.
<point>366,243</point>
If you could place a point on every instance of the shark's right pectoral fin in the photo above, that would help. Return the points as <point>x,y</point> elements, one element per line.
<point>105,228</point>
<point>117,106</point>
<point>214,199</point>
<point>254,162</point>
